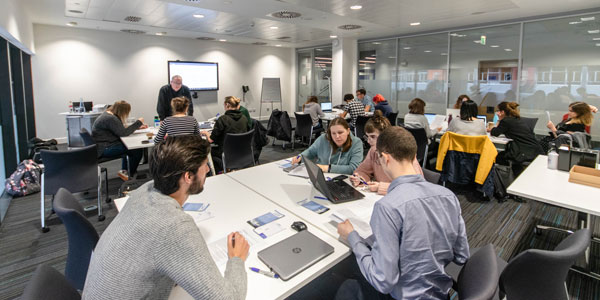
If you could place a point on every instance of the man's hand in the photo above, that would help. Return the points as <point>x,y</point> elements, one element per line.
<point>237,246</point>
<point>344,229</point>
<point>325,168</point>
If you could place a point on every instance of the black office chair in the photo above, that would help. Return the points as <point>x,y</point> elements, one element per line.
<point>478,279</point>
<point>400,121</point>
<point>47,283</point>
<point>237,151</point>
<point>531,122</point>
<point>82,237</point>
<point>359,129</point>
<point>431,176</point>
<point>422,144</point>
<point>76,170</point>
<point>304,128</point>
<point>88,141</point>
<point>393,116</point>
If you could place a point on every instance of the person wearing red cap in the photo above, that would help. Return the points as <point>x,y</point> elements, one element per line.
<point>382,105</point>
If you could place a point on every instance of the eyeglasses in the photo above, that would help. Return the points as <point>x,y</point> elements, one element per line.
<point>367,137</point>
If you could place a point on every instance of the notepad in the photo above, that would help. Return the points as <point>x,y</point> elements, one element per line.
<point>362,227</point>
<point>218,248</point>
<point>195,206</point>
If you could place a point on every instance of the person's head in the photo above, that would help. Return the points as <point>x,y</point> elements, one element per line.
<point>416,106</point>
<point>180,105</point>
<point>176,82</point>
<point>348,97</point>
<point>231,103</point>
<point>460,100</point>
<point>580,112</point>
<point>468,110</point>
<point>395,146</point>
<point>180,162</point>
<point>375,126</point>
<point>338,134</point>
<point>312,99</point>
<point>508,109</point>
<point>360,93</point>
<point>121,109</point>
<point>378,98</point>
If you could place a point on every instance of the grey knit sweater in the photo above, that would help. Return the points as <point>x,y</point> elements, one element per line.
<point>151,245</point>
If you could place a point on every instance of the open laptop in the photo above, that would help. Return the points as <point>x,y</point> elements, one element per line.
<point>326,106</point>
<point>430,118</point>
<point>337,191</point>
<point>484,118</point>
<point>295,254</point>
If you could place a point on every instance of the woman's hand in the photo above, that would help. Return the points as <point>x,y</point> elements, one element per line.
<point>141,120</point>
<point>593,108</point>
<point>355,179</point>
<point>373,186</point>
<point>551,126</point>
<point>296,160</point>
<point>325,168</point>
<point>144,126</point>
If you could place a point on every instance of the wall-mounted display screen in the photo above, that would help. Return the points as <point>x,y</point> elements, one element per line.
<point>198,76</point>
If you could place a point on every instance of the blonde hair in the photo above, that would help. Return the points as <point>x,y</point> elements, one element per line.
<point>121,109</point>
<point>584,114</point>
<point>377,122</point>
<point>510,109</point>
<point>180,104</point>
<point>232,101</point>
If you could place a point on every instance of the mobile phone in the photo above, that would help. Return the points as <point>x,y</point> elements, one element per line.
<point>339,177</point>
<point>265,219</point>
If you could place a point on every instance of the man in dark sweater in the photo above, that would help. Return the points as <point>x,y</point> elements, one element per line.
<point>170,91</point>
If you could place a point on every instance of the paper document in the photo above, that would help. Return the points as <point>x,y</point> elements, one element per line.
<point>218,248</point>
<point>200,216</point>
<point>361,226</point>
<point>548,115</point>
<point>438,122</point>
<point>299,171</point>
<point>147,130</point>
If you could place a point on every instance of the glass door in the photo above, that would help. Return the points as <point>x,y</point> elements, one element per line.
<point>314,74</point>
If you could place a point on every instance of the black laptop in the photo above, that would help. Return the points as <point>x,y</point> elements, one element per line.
<point>337,191</point>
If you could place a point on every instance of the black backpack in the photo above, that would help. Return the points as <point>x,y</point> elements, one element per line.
<point>34,145</point>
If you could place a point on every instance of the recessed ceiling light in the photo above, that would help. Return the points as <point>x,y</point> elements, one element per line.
<point>427,51</point>
<point>277,45</point>
<point>199,16</point>
<point>494,46</point>
<point>507,50</point>
<point>594,31</point>
<point>376,43</point>
<point>222,40</point>
<point>72,24</point>
<point>406,48</point>
<point>596,39</point>
<point>584,19</point>
<point>161,33</point>
<point>355,7</point>
<point>477,41</point>
<point>333,36</point>
<point>391,57</point>
<point>574,23</point>
<point>443,53</point>
<point>415,23</point>
<point>274,27</point>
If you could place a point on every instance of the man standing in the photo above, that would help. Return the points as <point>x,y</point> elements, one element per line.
<point>152,244</point>
<point>417,229</point>
<point>361,95</point>
<point>170,91</point>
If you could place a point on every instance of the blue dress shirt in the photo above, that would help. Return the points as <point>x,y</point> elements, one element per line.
<point>367,101</point>
<point>418,229</point>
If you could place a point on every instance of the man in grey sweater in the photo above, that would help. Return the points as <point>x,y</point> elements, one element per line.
<point>152,244</point>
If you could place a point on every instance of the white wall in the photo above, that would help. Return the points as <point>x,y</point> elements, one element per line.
<point>103,67</point>
<point>15,25</point>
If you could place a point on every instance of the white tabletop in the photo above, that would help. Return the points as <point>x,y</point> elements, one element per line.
<point>134,140</point>
<point>539,183</point>
<point>231,205</point>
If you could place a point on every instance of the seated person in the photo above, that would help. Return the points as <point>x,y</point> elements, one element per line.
<point>313,108</point>
<point>579,117</point>
<point>338,151</point>
<point>415,118</point>
<point>354,108</point>
<point>151,245</point>
<point>382,105</point>
<point>179,123</point>
<point>233,121</point>
<point>417,229</point>
<point>468,124</point>
<point>244,112</point>
<point>370,171</point>
<point>361,95</point>
<point>107,131</point>
<point>461,99</point>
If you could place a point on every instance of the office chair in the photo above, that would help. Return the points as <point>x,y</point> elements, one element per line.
<point>47,283</point>
<point>422,144</point>
<point>530,122</point>
<point>88,141</point>
<point>478,279</point>
<point>359,129</point>
<point>237,151</point>
<point>431,176</point>
<point>304,127</point>
<point>393,117</point>
<point>82,237</point>
<point>76,170</point>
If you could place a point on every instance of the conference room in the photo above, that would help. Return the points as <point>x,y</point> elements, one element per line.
<point>267,149</point>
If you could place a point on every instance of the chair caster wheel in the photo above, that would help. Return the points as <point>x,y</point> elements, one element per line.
<point>537,231</point>
<point>108,200</point>
<point>101,218</point>
<point>45,229</point>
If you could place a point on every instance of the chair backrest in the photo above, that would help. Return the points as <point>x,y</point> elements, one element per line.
<point>237,150</point>
<point>478,279</point>
<point>530,122</point>
<point>47,283</point>
<point>82,236</point>
<point>541,274</point>
<point>359,130</point>
<point>393,116</point>
<point>75,169</point>
<point>431,176</point>
<point>422,143</point>
<point>400,121</point>
<point>303,124</point>
<point>86,137</point>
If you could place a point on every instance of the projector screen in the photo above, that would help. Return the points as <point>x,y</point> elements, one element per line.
<point>198,76</point>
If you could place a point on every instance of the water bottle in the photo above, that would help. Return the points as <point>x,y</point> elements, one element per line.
<point>156,121</point>
<point>70,106</point>
<point>81,107</point>
<point>552,158</point>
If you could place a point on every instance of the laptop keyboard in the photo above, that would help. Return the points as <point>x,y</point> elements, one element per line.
<point>339,190</point>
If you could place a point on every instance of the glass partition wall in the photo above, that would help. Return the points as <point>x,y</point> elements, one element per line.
<point>542,64</point>
<point>314,72</point>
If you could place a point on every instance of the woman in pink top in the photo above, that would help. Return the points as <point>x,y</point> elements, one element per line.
<point>370,170</point>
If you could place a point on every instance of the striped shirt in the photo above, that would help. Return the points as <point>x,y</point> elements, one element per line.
<point>177,126</point>
<point>355,109</point>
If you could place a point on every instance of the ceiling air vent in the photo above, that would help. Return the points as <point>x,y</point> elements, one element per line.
<point>205,38</point>
<point>133,31</point>
<point>132,19</point>
<point>259,43</point>
<point>193,1</point>
<point>349,27</point>
<point>284,14</point>
<point>283,38</point>
<point>75,11</point>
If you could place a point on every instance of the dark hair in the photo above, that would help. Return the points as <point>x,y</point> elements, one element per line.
<point>348,97</point>
<point>468,110</point>
<point>459,101</point>
<point>343,123</point>
<point>397,142</point>
<point>312,99</point>
<point>362,91</point>
<point>416,106</point>
<point>377,122</point>
<point>174,157</point>
<point>180,104</point>
<point>510,109</point>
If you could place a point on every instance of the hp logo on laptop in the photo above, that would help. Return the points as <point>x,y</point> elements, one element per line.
<point>296,250</point>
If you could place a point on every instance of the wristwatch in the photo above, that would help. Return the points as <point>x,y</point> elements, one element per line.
<point>329,169</point>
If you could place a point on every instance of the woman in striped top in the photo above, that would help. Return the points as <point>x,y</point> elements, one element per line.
<point>179,123</point>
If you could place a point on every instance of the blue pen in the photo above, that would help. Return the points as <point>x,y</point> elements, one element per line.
<point>266,273</point>
<point>318,197</point>
<point>361,180</point>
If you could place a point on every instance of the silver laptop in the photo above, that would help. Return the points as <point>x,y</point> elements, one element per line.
<point>326,107</point>
<point>295,254</point>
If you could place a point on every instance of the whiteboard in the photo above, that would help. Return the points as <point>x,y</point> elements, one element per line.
<point>271,90</point>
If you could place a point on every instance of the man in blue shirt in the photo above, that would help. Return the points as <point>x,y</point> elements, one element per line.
<point>417,228</point>
<point>361,95</point>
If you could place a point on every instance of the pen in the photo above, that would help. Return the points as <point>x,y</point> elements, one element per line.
<point>266,273</point>
<point>233,240</point>
<point>319,197</point>
<point>361,180</point>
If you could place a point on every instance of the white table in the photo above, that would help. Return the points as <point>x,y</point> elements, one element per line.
<point>232,204</point>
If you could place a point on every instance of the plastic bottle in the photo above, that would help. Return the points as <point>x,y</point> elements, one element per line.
<point>552,158</point>
<point>156,121</point>
<point>81,107</point>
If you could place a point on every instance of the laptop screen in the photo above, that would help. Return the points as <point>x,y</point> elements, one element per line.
<point>315,174</point>
<point>430,118</point>
<point>326,106</point>
<point>484,118</point>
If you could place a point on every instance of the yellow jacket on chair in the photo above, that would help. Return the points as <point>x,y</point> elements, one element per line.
<point>480,144</point>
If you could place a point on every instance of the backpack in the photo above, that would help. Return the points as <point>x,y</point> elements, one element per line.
<point>25,180</point>
<point>34,145</point>
<point>280,126</point>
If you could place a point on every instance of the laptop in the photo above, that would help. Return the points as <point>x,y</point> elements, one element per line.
<point>326,107</point>
<point>295,254</point>
<point>337,191</point>
<point>430,118</point>
<point>484,118</point>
